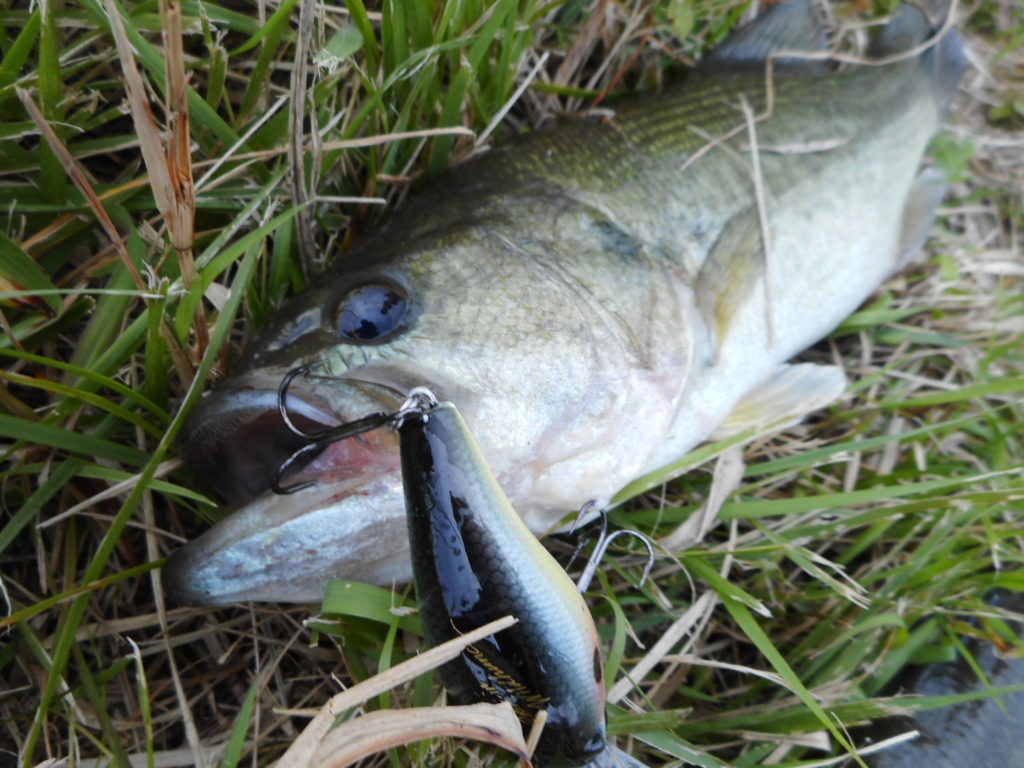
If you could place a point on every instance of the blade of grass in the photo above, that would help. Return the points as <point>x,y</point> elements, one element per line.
<point>75,395</point>
<point>270,35</point>
<point>14,58</point>
<point>243,720</point>
<point>27,433</point>
<point>745,510</point>
<point>21,270</point>
<point>66,633</point>
<point>53,181</point>
<point>352,598</point>
<point>753,630</point>
<point>58,478</point>
<point>144,702</point>
<point>45,604</point>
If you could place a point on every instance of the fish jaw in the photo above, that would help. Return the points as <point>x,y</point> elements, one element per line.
<point>287,548</point>
<point>237,439</point>
<point>349,524</point>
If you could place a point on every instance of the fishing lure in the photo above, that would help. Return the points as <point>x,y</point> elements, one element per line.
<point>474,560</point>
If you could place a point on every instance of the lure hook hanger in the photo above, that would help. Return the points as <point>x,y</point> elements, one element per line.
<point>419,401</point>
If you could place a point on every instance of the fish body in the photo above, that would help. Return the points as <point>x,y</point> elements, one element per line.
<point>598,298</point>
<point>474,560</point>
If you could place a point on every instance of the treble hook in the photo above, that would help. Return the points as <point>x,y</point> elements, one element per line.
<point>275,481</point>
<point>319,439</point>
<point>582,541</point>
<point>282,407</point>
<point>325,438</point>
<point>603,541</point>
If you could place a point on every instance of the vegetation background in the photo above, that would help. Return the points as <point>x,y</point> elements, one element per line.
<point>169,171</point>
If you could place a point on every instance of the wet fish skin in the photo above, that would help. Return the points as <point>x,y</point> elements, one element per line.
<point>593,297</point>
<point>474,560</point>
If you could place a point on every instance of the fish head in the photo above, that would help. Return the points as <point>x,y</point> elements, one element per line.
<point>475,312</point>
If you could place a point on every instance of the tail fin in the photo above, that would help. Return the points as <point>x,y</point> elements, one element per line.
<point>790,25</point>
<point>944,59</point>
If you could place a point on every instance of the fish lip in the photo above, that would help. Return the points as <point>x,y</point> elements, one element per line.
<point>287,549</point>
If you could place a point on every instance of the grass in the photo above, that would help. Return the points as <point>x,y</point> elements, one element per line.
<point>842,551</point>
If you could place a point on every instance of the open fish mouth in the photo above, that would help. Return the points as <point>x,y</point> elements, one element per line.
<point>237,440</point>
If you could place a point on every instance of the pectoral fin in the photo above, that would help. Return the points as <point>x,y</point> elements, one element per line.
<point>731,271</point>
<point>784,398</point>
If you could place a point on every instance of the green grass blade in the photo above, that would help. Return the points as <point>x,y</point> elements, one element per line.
<point>243,720</point>
<point>53,179</point>
<point>58,478</point>
<point>21,270</point>
<point>753,630</point>
<point>14,58</point>
<point>81,396</point>
<point>47,603</point>
<point>352,598</point>
<point>26,432</point>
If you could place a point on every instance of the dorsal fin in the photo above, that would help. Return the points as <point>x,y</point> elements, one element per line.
<point>789,26</point>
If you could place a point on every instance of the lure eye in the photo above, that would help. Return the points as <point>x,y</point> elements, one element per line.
<point>370,312</point>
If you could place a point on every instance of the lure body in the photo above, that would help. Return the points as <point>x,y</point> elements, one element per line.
<point>474,560</point>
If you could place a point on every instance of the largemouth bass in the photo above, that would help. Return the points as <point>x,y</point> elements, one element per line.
<point>598,298</point>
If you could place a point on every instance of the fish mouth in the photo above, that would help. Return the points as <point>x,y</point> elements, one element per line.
<point>287,547</point>
<point>237,439</point>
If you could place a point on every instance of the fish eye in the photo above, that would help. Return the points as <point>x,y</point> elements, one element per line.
<point>371,312</point>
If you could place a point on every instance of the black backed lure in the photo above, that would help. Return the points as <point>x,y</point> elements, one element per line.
<point>474,560</point>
